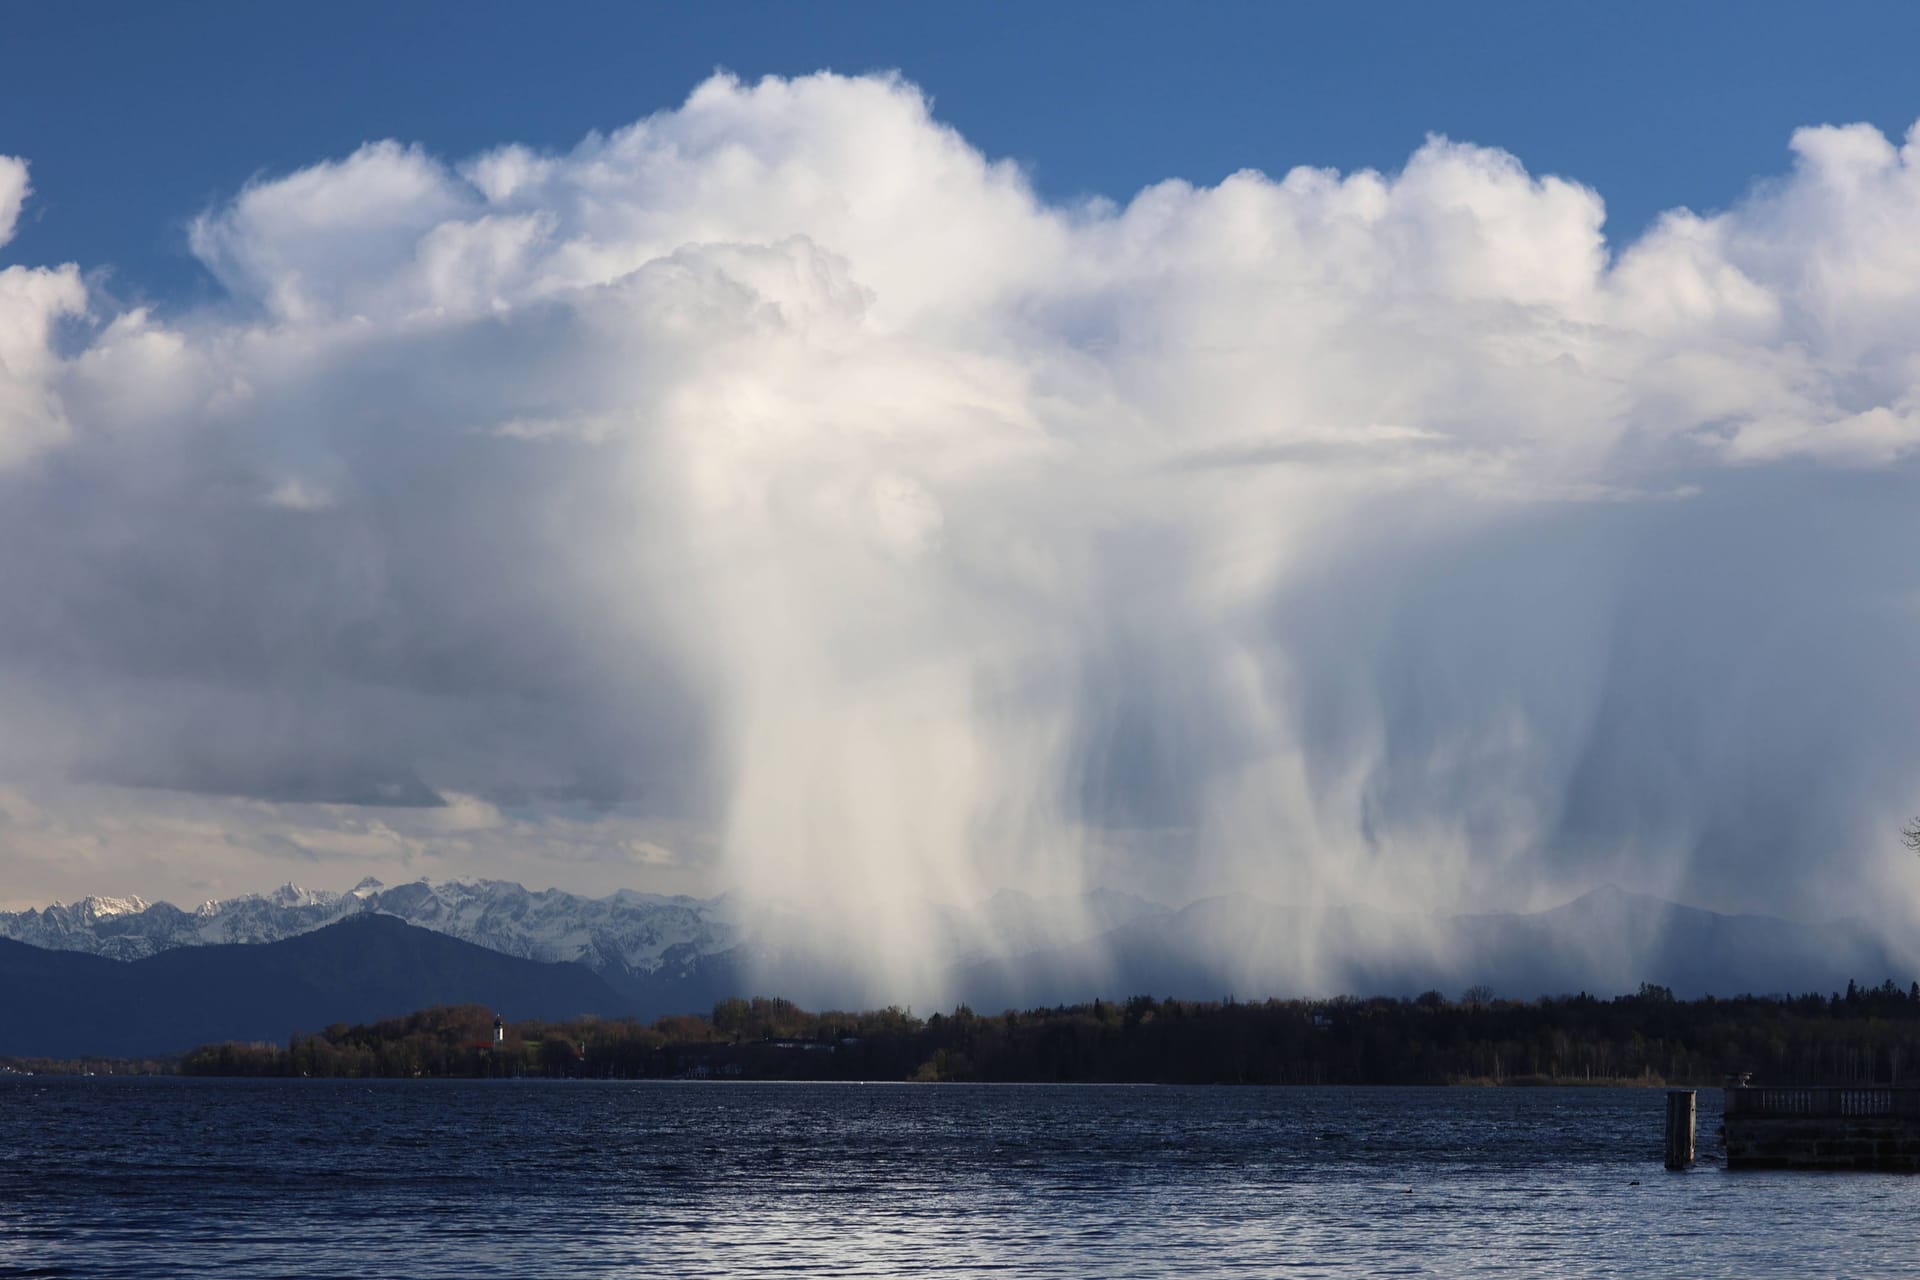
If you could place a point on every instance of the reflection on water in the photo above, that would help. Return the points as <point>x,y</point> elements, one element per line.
<point>196,1177</point>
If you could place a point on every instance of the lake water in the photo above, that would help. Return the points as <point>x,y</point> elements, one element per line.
<point>150,1178</point>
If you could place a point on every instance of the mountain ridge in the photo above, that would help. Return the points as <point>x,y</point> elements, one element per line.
<point>671,954</point>
<point>72,1004</point>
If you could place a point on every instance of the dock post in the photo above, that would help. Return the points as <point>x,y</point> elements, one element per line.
<point>1679,1128</point>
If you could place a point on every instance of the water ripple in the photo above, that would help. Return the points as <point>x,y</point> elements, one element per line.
<point>108,1178</point>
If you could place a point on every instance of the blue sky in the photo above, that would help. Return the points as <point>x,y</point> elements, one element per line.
<point>137,117</point>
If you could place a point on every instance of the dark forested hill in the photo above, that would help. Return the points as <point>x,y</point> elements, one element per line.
<point>66,1004</point>
<point>1866,1036</point>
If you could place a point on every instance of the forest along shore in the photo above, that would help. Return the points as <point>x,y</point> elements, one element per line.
<point>1861,1036</point>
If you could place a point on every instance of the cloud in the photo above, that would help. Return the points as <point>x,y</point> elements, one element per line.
<point>13,194</point>
<point>783,473</point>
<point>32,302</point>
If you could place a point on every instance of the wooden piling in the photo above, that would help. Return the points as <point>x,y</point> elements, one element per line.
<point>1680,1128</point>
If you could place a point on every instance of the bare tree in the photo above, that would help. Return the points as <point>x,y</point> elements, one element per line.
<point>1910,834</point>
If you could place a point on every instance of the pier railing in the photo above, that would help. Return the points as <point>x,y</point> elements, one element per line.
<point>1777,1103</point>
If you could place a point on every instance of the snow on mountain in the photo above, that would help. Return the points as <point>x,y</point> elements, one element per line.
<point>623,934</point>
<point>103,908</point>
<point>627,937</point>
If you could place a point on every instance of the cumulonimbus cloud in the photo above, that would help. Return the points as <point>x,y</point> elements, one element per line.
<point>781,467</point>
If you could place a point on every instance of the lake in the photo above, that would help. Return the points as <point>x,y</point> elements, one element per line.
<point>166,1177</point>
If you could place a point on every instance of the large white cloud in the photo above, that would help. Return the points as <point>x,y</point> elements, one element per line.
<point>783,473</point>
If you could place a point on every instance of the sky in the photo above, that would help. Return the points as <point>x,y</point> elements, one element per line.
<point>886,454</point>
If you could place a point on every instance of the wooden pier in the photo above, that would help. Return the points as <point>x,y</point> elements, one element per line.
<point>1793,1128</point>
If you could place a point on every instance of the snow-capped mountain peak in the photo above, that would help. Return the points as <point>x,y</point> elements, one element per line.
<point>95,907</point>
<point>292,895</point>
<point>623,934</point>
<point>628,937</point>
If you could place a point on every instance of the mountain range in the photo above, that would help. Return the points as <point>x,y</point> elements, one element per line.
<point>649,954</point>
<point>668,954</point>
<point>68,1004</point>
<point>624,933</point>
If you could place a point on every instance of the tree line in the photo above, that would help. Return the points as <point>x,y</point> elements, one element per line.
<point>1862,1036</point>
